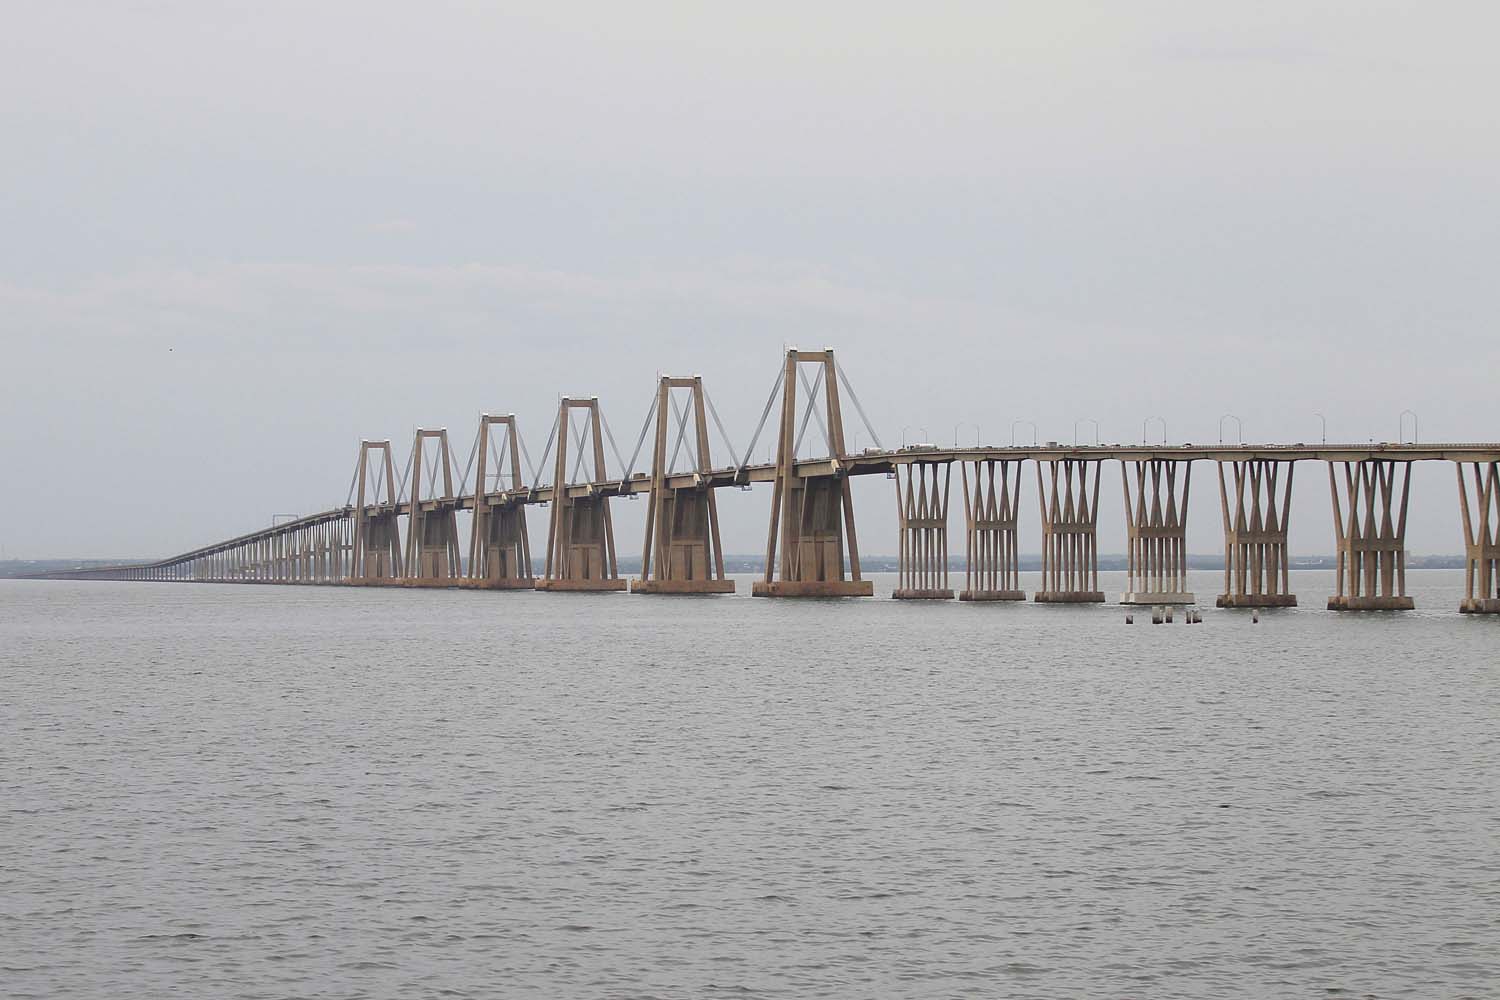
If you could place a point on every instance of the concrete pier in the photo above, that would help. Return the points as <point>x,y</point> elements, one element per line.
<point>812,512</point>
<point>1371,537</point>
<point>376,552</point>
<point>499,549</point>
<point>1156,532</point>
<point>922,490</point>
<point>580,535</point>
<point>432,558</point>
<point>1070,531</point>
<point>992,567</point>
<point>682,554</point>
<point>1255,534</point>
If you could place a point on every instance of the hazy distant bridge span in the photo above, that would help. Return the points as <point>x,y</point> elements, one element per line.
<point>812,547</point>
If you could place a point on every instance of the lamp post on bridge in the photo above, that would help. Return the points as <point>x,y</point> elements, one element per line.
<point>1013,424</point>
<point>1238,424</point>
<point>1401,429</point>
<point>912,427</point>
<point>1147,423</point>
<point>1085,420</point>
<point>1324,421</point>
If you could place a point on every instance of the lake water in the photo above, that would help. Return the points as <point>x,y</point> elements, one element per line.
<point>239,791</point>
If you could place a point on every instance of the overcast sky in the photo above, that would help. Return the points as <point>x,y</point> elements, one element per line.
<point>239,237</point>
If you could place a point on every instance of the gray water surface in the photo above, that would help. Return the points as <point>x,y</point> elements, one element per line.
<point>241,791</point>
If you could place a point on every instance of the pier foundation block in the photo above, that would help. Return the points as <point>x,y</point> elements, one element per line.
<point>1256,601</point>
<point>991,595</point>
<point>1392,603</point>
<point>562,585</point>
<point>682,586</point>
<point>1159,598</point>
<point>813,588</point>
<point>494,583</point>
<point>1069,597</point>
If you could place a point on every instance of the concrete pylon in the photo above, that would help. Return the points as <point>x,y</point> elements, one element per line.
<point>681,554</point>
<point>499,551</point>
<point>1070,531</point>
<point>922,506</point>
<point>376,543</point>
<point>432,533</point>
<point>1156,531</point>
<point>812,514</point>
<point>1481,538</point>
<point>580,536</point>
<point>1256,566</point>
<point>992,570</point>
<point>1371,539</point>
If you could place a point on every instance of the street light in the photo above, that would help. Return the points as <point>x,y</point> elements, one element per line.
<point>1324,421</point>
<point>1401,431</point>
<point>1030,423</point>
<point>965,423</point>
<point>1147,422</point>
<point>1085,420</point>
<point>1238,425</point>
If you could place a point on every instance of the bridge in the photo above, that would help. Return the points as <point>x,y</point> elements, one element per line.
<point>405,532</point>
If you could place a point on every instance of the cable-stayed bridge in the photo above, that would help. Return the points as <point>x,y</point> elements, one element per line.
<point>403,530</point>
